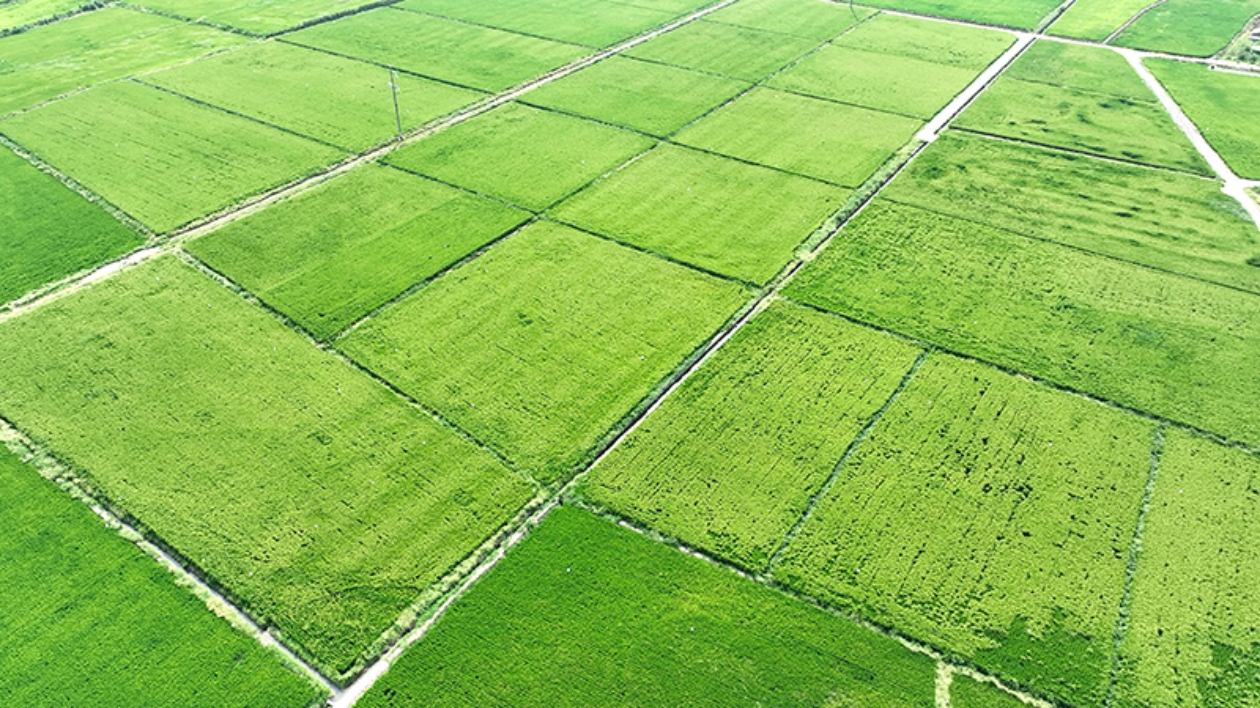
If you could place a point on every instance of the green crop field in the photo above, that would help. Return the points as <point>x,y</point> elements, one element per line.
<point>730,461</point>
<point>595,23</point>
<point>1168,345</point>
<point>645,96</point>
<point>897,64</point>
<point>808,136</point>
<point>339,101</point>
<point>654,627</point>
<point>330,256</point>
<point>1076,114</point>
<point>1225,107</point>
<point>989,516</point>
<point>93,48</point>
<point>523,155</point>
<point>1096,19</point>
<point>161,158</point>
<point>50,232</point>
<point>965,692</point>
<point>82,608</point>
<point>1193,27</point>
<point>261,17</point>
<point>1195,619</point>
<point>1021,14</point>
<point>804,19</point>
<point>464,54</point>
<point>706,211</point>
<point>545,342</point>
<point>24,13</point>
<point>738,52</point>
<point>1171,221</point>
<point>314,495</point>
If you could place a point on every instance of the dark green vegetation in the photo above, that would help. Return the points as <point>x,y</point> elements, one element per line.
<point>161,158</point>
<point>1096,19</point>
<point>330,256</point>
<point>1168,345</point>
<point>724,216</point>
<point>1021,14</point>
<point>93,48</point>
<point>465,54</point>
<point>260,17</point>
<point>897,64</point>
<point>544,343</point>
<point>587,613</point>
<point>1197,28</point>
<point>1194,634</point>
<point>731,459</point>
<point>49,231</point>
<point>645,96</point>
<point>1170,221</point>
<point>89,619</point>
<point>339,101</point>
<point>1054,95</point>
<point>808,136</point>
<point>320,500</point>
<point>804,19</point>
<point>730,50</point>
<point>965,692</point>
<point>523,155</point>
<point>1224,106</point>
<point>594,23</point>
<point>989,516</point>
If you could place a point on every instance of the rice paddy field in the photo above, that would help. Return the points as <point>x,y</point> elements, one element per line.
<point>411,353</point>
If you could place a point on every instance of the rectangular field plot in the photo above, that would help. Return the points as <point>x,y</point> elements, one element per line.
<point>1172,346</point>
<point>821,139</point>
<point>738,52</point>
<point>897,64</point>
<point>161,158</point>
<point>521,154</point>
<point>339,101</point>
<point>1194,631</point>
<point>1096,19</point>
<point>50,231</point>
<point>95,47</point>
<point>729,462</point>
<point>330,256</point>
<point>1198,28</point>
<point>645,96</point>
<point>1058,100</point>
<point>23,13</point>
<point>1171,221</point>
<point>261,17</point>
<point>544,343</point>
<point>1224,106</point>
<point>1020,14</point>
<point>461,53</point>
<point>814,20</point>
<point>991,517</point>
<point>320,500</point>
<point>724,216</point>
<point>595,23</point>
<point>86,613</point>
<point>586,613</point>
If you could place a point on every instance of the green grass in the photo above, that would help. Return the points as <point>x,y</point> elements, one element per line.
<point>1020,14</point>
<point>49,231</point>
<point>587,613</point>
<point>1080,118</point>
<point>729,462</point>
<point>1163,344</point>
<point>23,13</point>
<point>91,620</point>
<point>1079,67</point>
<point>897,64</point>
<point>1196,28</point>
<point>1163,219</point>
<point>1224,106</point>
<point>321,501</point>
<point>479,57</point>
<point>1194,635</point>
<point>261,17</point>
<point>595,23</point>
<point>540,346</point>
<point>331,255</point>
<point>806,19</point>
<point>1096,19</point>
<point>523,155</point>
<point>991,517</point>
<point>738,52</point>
<point>645,96</point>
<point>162,158</point>
<point>724,216</point>
<point>338,101</point>
<point>93,48</point>
<point>829,141</point>
<point>965,692</point>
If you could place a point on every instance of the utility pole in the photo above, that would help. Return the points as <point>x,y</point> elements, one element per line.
<point>393,86</point>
